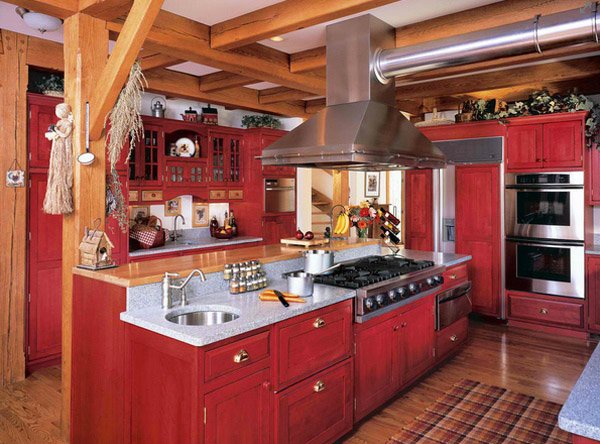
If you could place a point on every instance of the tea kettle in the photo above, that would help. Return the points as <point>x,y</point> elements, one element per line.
<point>157,108</point>
<point>190,115</point>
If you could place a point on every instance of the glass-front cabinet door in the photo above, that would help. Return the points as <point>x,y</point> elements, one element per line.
<point>151,171</point>
<point>217,158</point>
<point>225,158</point>
<point>235,161</point>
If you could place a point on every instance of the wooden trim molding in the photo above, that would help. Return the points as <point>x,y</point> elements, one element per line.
<point>13,246</point>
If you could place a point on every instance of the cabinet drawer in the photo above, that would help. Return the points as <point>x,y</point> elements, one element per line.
<point>451,337</point>
<point>134,195</point>
<point>237,355</point>
<point>236,194</point>
<point>311,342</point>
<point>152,196</point>
<point>318,409</point>
<point>217,194</point>
<point>558,312</point>
<point>455,275</point>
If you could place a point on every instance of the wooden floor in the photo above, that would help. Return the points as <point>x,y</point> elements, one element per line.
<point>538,364</point>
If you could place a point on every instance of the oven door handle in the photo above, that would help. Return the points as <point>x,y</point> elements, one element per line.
<point>545,188</point>
<point>458,293</point>
<point>545,242</point>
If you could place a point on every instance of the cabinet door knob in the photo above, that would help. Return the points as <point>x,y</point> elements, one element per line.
<point>319,386</point>
<point>452,276</point>
<point>267,385</point>
<point>396,328</point>
<point>319,322</point>
<point>454,338</point>
<point>404,324</point>
<point>241,356</point>
<point>544,311</point>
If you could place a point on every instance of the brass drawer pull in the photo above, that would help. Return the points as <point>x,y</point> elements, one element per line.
<point>319,322</point>
<point>453,276</point>
<point>319,386</point>
<point>241,356</point>
<point>454,338</point>
<point>544,311</point>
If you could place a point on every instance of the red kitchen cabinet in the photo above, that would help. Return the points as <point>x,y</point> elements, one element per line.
<point>225,157</point>
<point>146,162</point>
<point>592,176</point>
<point>416,340</point>
<point>478,232</point>
<point>593,293</point>
<point>44,278</point>
<point>376,371</point>
<point>274,228</point>
<point>41,116</point>
<point>316,410</point>
<point>524,147</point>
<point>418,194</point>
<point>563,144</point>
<point>549,142</point>
<point>240,411</point>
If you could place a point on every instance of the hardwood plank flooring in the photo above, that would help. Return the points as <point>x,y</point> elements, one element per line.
<point>538,364</point>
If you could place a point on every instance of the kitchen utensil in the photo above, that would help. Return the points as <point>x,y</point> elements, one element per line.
<point>281,298</point>
<point>317,240</point>
<point>300,283</point>
<point>316,261</point>
<point>88,157</point>
<point>185,147</point>
<point>157,108</point>
<point>327,270</point>
<point>269,296</point>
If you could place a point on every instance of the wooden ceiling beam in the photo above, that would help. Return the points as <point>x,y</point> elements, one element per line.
<point>308,60</point>
<point>280,94</point>
<point>538,74</point>
<point>187,86</point>
<point>105,9</point>
<point>186,39</point>
<point>283,17</point>
<point>115,72</point>
<point>56,8</point>
<point>45,54</point>
<point>158,60</point>
<point>221,80</point>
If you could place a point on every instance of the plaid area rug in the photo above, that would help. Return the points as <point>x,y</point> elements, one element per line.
<point>473,413</point>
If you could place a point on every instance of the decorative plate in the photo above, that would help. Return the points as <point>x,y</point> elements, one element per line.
<point>185,147</point>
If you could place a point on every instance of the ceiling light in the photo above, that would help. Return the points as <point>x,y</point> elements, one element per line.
<point>36,20</point>
<point>277,38</point>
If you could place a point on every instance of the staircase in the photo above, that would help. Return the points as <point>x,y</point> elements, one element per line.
<point>321,206</point>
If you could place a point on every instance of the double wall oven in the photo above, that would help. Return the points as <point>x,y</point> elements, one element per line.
<point>545,233</point>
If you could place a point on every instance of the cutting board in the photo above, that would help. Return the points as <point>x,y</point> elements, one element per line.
<point>317,240</point>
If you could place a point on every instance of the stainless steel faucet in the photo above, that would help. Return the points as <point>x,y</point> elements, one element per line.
<point>167,287</point>
<point>175,235</point>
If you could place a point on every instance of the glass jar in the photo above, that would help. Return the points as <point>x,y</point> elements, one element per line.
<point>243,285</point>
<point>227,272</point>
<point>234,286</point>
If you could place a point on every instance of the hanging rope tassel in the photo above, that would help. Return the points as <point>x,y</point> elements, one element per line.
<point>59,199</point>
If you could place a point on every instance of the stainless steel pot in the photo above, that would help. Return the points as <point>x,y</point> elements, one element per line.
<point>300,283</point>
<point>317,261</point>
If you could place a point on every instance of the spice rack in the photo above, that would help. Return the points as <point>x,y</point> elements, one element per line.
<point>244,277</point>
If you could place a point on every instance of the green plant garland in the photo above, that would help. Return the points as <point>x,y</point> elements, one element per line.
<point>264,121</point>
<point>542,102</point>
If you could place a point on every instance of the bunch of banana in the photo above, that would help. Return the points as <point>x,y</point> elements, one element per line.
<point>342,223</point>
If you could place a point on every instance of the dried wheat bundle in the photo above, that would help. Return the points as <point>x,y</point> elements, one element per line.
<point>125,122</point>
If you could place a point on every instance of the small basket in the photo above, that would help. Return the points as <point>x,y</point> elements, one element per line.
<point>150,235</point>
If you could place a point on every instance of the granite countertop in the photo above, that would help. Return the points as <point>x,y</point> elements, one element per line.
<point>253,313</point>
<point>592,249</point>
<point>447,259</point>
<point>581,413</point>
<point>195,245</point>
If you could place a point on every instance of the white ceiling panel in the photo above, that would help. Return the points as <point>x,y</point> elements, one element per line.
<point>210,12</point>
<point>193,68</point>
<point>263,85</point>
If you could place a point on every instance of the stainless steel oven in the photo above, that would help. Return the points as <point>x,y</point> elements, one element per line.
<point>548,267</point>
<point>545,205</point>
<point>280,195</point>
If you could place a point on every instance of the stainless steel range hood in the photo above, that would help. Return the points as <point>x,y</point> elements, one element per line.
<point>361,128</point>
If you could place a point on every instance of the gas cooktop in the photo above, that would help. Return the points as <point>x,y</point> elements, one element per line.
<point>370,270</point>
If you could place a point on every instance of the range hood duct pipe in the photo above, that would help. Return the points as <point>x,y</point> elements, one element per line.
<point>361,129</point>
<point>537,35</point>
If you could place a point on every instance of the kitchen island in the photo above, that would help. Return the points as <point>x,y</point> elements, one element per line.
<point>152,379</point>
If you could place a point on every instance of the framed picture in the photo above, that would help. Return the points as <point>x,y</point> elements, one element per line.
<point>372,182</point>
<point>173,207</point>
<point>200,216</point>
<point>137,212</point>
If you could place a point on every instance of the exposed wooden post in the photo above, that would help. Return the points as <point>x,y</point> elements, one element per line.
<point>13,219</point>
<point>85,52</point>
<point>341,188</point>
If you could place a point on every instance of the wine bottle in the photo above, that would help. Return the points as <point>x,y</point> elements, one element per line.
<point>233,223</point>
<point>388,234</point>
<point>389,216</point>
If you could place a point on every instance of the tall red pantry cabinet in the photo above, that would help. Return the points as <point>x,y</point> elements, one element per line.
<point>44,252</point>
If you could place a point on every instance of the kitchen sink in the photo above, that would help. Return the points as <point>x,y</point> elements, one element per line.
<point>202,317</point>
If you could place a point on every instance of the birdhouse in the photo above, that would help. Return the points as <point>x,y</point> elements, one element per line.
<point>95,250</point>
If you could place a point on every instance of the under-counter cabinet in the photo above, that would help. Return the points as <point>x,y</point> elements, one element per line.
<point>593,293</point>
<point>391,352</point>
<point>551,142</point>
